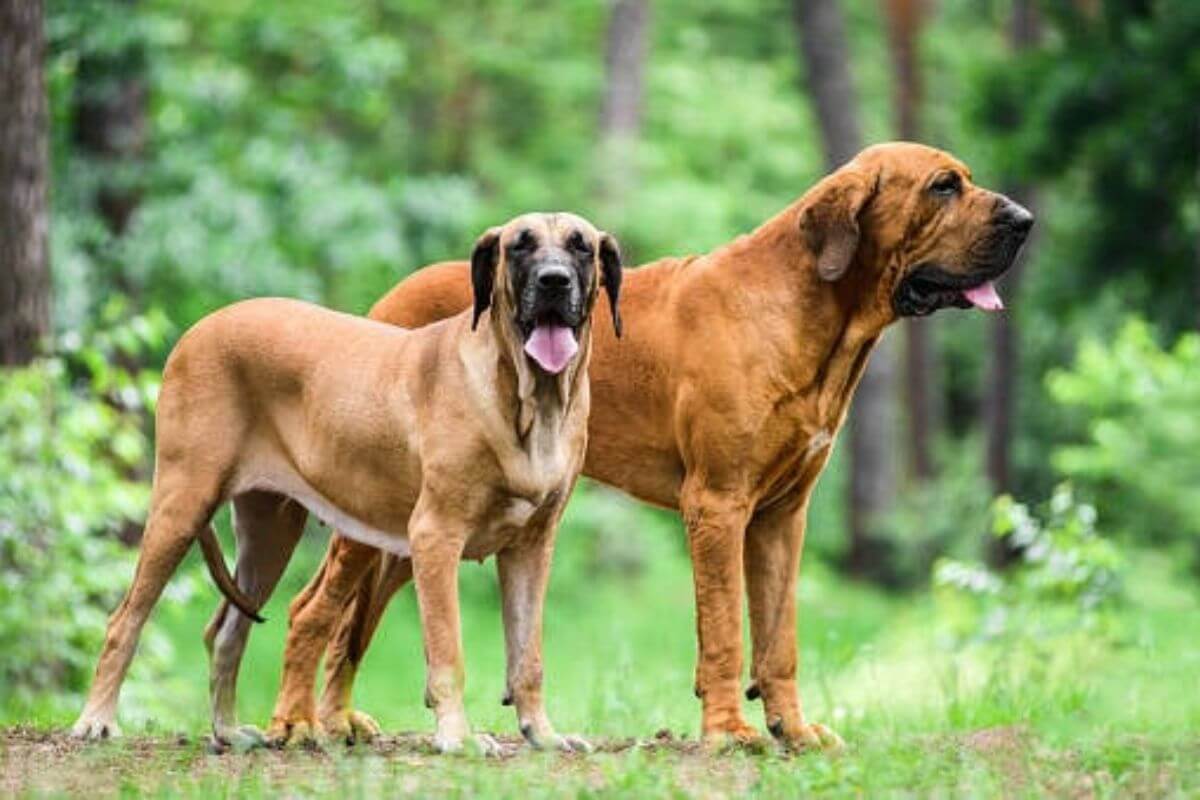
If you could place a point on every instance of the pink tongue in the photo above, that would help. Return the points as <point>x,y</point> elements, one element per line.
<point>552,346</point>
<point>985,297</point>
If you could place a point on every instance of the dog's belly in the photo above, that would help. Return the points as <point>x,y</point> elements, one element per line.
<point>287,482</point>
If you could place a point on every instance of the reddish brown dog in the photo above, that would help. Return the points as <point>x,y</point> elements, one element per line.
<point>727,391</point>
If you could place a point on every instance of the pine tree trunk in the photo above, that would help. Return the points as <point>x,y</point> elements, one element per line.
<point>827,73</point>
<point>920,374</point>
<point>872,433</point>
<point>109,124</point>
<point>1001,390</point>
<point>621,110</point>
<point>24,256</point>
<point>1196,275</point>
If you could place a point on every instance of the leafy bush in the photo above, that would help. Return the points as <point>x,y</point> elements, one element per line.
<point>74,454</point>
<point>1140,409</point>
<point>943,517</point>
<point>1068,574</point>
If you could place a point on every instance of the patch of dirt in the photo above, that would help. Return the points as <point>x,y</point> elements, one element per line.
<point>50,762</point>
<point>998,740</point>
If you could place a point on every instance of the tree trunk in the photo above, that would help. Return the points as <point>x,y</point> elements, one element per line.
<point>621,109</point>
<point>872,485</point>
<point>827,73</point>
<point>874,467</point>
<point>1001,391</point>
<point>1196,274</point>
<point>24,256</point>
<point>920,376</point>
<point>109,123</point>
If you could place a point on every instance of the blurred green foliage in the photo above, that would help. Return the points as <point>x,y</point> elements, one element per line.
<point>73,450</point>
<point>1137,406</point>
<point>1108,106</point>
<point>946,517</point>
<point>324,150</point>
<point>1066,577</point>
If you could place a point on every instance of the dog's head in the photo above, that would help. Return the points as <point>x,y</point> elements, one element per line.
<point>540,273</point>
<point>910,217</point>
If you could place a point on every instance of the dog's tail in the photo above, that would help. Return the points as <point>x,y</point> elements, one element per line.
<point>215,560</point>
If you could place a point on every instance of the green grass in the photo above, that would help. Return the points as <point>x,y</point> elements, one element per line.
<point>1112,715</point>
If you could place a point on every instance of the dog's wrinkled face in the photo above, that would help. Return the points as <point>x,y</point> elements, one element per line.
<point>542,272</point>
<point>914,208</point>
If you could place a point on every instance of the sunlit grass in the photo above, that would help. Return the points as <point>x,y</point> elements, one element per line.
<point>1112,713</point>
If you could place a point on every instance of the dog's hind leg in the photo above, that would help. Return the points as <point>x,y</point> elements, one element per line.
<point>268,526</point>
<point>310,626</point>
<point>178,510</point>
<point>359,621</point>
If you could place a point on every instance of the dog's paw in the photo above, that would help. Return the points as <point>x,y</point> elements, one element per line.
<point>570,743</point>
<point>352,727</point>
<point>91,727</point>
<point>448,743</point>
<point>807,737</point>
<point>296,733</point>
<point>738,736</point>
<point>549,740</point>
<point>487,746</point>
<point>239,738</point>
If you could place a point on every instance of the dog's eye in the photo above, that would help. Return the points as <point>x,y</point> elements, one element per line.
<point>577,243</point>
<point>946,185</point>
<point>525,242</point>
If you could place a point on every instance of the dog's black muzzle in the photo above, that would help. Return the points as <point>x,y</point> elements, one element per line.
<point>552,294</point>
<point>931,286</point>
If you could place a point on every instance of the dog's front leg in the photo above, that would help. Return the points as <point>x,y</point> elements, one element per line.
<point>716,529</point>
<point>437,545</point>
<point>774,541</point>
<point>524,570</point>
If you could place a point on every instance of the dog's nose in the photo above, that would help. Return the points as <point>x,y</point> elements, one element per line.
<point>554,278</point>
<point>1016,216</point>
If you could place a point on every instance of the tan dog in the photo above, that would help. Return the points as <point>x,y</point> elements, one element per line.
<point>724,398</point>
<point>435,445</point>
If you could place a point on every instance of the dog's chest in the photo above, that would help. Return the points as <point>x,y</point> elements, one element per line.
<point>533,472</point>
<point>794,463</point>
<point>512,519</point>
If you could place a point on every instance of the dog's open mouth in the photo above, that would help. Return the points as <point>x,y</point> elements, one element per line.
<point>930,287</point>
<point>984,296</point>
<point>551,343</point>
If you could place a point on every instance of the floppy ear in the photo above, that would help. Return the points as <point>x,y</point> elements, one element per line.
<point>830,220</point>
<point>610,272</point>
<point>483,271</point>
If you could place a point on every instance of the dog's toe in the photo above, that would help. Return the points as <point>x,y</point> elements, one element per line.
<point>299,733</point>
<point>553,741</point>
<point>830,742</point>
<point>487,746</point>
<point>363,728</point>
<point>352,727</point>
<point>244,738</point>
<point>95,729</point>
<point>305,734</point>
<point>808,737</point>
<point>575,744</point>
<point>447,744</point>
<point>743,738</point>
